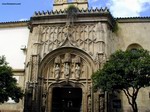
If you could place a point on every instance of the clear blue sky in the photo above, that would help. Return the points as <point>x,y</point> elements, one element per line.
<point>26,8</point>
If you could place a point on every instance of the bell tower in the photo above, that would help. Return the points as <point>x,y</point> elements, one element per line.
<point>63,4</point>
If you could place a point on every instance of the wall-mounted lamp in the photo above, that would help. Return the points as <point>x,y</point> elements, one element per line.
<point>23,48</point>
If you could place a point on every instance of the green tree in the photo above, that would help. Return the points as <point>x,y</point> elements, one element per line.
<point>128,71</point>
<point>8,84</point>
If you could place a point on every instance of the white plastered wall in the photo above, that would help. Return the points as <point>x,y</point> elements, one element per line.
<point>11,40</point>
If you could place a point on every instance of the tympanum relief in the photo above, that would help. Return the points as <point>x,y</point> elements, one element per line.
<point>67,67</point>
<point>89,38</point>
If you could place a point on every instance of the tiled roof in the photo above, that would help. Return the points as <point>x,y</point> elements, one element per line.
<point>13,24</point>
<point>133,19</point>
<point>9,22</point>
<point>147,17</point>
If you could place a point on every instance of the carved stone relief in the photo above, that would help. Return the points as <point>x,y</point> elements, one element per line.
<point>101,103</point>
<point>34,67</point>
<point>67,61</point>
<point>100,59</point>
<point>77,71</point>
<point>89,104</point>
<point>77,62</point>
<point>89,37</point>
<point>67,67</point>
<point>89,90</point>
<point>57,67</point>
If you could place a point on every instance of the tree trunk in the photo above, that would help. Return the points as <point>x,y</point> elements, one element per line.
<point>132,99</point>
<point>134,106</point>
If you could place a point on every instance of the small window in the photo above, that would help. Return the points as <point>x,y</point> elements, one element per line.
<point>133,50</point>
<point>117,104</point>
<point>134,47</point>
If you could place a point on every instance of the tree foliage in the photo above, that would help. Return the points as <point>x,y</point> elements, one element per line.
<point>8,84</point>
<point>126,70</point>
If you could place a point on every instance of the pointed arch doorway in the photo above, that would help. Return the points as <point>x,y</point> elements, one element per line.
<point>66,99</point>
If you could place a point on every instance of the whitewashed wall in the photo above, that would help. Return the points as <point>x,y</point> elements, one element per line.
<point>11,40</point>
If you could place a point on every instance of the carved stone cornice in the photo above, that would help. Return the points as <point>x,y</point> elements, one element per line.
<point>83,16</point>
<point>82,11</point>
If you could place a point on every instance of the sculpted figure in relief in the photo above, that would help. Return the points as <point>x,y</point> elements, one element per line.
<point>67,70</point>
<point>57,67</point>
<point>77,71</point>
<point>77,61</point>
<point>57,72</point>
<point>67,61</point>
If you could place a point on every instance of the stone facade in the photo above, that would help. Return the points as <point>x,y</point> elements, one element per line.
<point>62,56</point>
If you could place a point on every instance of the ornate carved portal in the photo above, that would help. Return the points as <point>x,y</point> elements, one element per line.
<point>68,55</point>
<point>67,71</point>
<point>71,54</point>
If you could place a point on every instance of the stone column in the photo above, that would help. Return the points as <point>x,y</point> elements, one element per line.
<point>49,101</point>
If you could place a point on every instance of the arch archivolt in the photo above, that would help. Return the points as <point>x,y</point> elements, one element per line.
<point>67,64</point>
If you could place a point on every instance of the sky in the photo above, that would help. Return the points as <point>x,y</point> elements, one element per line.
<point>19,10</point>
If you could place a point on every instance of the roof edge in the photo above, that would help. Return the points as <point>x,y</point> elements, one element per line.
<point>132,19</point>
<point>14,24</point>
